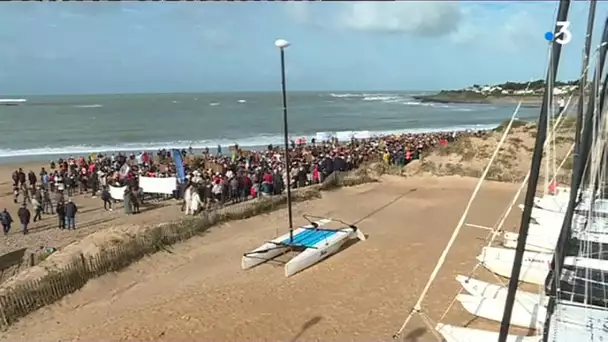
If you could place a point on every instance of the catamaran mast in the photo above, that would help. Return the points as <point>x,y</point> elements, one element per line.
<point>583,152</point>
<point>584,74</point>
<point>578,172</point>
<point>556,49</point>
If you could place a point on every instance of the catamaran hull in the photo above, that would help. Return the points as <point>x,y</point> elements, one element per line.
<point>530,273</point>
<point>321,251</point>
<point>498,253</point>
<point>525,315</point>
<point>452,333</point>
<point>271,249</point>
<point>317,244</point>
<point>484,289</point>
<point>534,243</point>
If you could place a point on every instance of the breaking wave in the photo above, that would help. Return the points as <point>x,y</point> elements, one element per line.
<point>250,142</point>
<point>405,100</point>
<point>88,106</point>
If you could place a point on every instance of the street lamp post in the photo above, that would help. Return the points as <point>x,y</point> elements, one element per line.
<point>282,45</point>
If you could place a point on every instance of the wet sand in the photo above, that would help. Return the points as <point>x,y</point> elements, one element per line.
<point>197,291</point>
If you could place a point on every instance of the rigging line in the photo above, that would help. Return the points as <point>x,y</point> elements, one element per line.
<point>564,6</point>
<point>418,306</point>
<point>492,236</point>
<point>556,127</point>
<point>577,176</point>
<point>511,205</point>
<point>502,218</point>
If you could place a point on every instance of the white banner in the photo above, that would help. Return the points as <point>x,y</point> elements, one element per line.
<point>323,136</point>
<point>117,193</point>
<point>363,135</point>
<point>154,185</point>
<point>344,136</point>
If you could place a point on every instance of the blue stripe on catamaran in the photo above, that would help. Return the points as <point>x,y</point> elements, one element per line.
<point>310,237</point>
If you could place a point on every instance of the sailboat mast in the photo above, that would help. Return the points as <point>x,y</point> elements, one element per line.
<point>556,49</point>
<point>583,152</point>
<point>578,172</point>
<point>582,84</point>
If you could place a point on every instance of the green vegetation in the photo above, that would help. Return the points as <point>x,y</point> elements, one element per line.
<point>534,85</point>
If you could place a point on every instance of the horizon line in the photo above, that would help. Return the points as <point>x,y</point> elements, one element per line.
<point>15,95</point>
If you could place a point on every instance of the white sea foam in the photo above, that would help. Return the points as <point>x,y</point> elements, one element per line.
<point>89,106</point>
<point>344,95</point>
<point>257,141</point>
<point>400,99</point>
<point>242,101</point>
<point>5,101</point>
<point>213,104</point>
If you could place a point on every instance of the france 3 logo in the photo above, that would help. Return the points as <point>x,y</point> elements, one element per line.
<point>563,35</point>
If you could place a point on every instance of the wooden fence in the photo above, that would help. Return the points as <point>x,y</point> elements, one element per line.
<point>19,299</point>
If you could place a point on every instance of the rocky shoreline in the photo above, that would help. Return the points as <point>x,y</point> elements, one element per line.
<point>469,98</point>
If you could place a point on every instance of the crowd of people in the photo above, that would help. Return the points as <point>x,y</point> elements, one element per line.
<point>211,179</point>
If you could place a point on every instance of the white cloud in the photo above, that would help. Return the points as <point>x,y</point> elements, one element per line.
<point>420,18</point>
<point>506,27</point>
<point>512,28</point>
<point>298,11</point>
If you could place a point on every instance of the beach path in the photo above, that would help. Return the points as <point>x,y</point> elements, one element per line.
<point>197,291</point>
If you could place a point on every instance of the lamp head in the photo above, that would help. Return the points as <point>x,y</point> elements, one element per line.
<point>281,43</point>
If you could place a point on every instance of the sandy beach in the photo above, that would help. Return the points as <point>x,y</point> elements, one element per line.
<point>90,218</point>
<point>197,290</point>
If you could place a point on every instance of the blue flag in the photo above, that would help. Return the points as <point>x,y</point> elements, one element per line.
<point>179,165</point>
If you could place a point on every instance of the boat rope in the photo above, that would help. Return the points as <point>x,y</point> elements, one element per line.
<point>498,227</point>
<point>417,307</point>
<point>441,261</point>
<point>551,137</point>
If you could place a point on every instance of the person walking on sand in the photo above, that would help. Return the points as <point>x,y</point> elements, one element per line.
<point>70,214</point>
<point>24,217</point>
<point>188,200</point>
<point>47,204</point>
<point>37,209</point>
<point>60,210</point>
<point>105,197</point>
<point>126,198</point>
<point>135,201</point>
<point>6,220</point>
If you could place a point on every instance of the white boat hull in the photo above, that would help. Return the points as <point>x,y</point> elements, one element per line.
<point>311,254</point>
<point>534,266</point>
<point>498,253</point>
<point>525,315</point>
<point>534,243</point>
<point>484,289</point>
<point>452,333</point>
<point>324,249</point>
<point>271,249</point>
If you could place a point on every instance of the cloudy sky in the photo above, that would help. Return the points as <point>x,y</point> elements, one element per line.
<point>66,48</point>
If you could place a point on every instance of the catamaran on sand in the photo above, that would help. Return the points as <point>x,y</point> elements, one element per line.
<point>314,242</point>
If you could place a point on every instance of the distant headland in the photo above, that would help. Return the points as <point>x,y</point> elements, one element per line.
<point>508,92</point>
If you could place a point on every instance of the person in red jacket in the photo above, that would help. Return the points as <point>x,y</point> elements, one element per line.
<point>315,175</point>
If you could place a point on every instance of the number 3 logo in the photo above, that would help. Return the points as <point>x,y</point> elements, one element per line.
<point>563,36</point>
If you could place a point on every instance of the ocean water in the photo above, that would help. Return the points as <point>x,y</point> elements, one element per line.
<point>65,125</point>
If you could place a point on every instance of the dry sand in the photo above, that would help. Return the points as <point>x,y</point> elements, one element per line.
<point>91,217</point>
<point>196,291</point>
